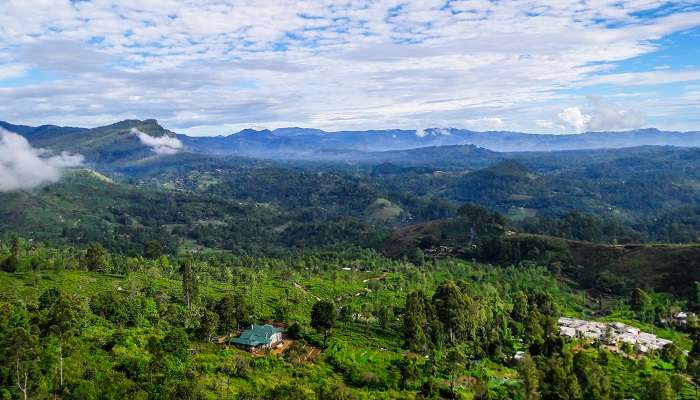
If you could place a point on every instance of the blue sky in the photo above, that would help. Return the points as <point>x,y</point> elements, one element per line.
<point>212,67</point>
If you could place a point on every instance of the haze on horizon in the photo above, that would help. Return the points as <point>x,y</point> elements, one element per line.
<point>213,67</point>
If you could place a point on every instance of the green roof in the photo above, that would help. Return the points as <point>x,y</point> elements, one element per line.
<point>256,335</point>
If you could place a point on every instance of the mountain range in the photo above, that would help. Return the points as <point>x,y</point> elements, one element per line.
<point>117,143</point>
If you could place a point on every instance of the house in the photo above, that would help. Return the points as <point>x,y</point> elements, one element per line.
<point>258,337</point>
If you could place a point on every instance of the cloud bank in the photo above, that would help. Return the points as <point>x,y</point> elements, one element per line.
<point>25,167</point>
<point>217,66</point>
<point>162,145</point>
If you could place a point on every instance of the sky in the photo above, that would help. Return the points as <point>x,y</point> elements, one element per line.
<point>205,67</point>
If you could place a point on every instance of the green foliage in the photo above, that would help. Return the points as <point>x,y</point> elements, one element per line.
<point>190,287</point>
<point>323,317</point>
<point>133,336</point>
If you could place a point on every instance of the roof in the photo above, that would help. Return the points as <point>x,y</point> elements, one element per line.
<point>256,335</point>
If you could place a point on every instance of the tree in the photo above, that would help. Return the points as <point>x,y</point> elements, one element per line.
<point>294,331</point>
<point>62,315</point>
<point>189,282</point>
<point>695,350</point>
<point>11,264</point>
<point>385,316</point>
<point>419,257</point>
<point>209,324</point>
<point>24,345</point>
<point>643,304</point>
<point>281,310</point>
<point>659,388</point>
<point>527,370</point>
<point>175,343</point>
<point>593,382</point>
<point>323,318</point>
<point>243,311</point>
<point>450,307</point>
<point>226,309</point>
<point>454,363</point>
<point>96,258</point>
<point>408,370</point>
<point>415,322</point>
<point>153,249</point>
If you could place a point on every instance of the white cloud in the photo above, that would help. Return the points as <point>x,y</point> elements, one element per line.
<point>25,167</point>
<point>205,65</point>
<point>601,116</point>
<point>433,132</point>
<point>161,145</point>
<point>575,117</point>
<point>607,116</point>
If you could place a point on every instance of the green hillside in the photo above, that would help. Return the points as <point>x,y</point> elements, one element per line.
<point>86,324</point>
<point>609,268</point>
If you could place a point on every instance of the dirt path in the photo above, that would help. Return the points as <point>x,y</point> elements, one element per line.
<point>303,289</point>
<point>377,278</point>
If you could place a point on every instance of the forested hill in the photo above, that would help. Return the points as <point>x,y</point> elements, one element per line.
<point>477,234</point>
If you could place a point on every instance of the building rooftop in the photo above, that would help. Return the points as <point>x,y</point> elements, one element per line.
<point>256,335</point>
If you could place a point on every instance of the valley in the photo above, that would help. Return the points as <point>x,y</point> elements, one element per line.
<point>436,269</point>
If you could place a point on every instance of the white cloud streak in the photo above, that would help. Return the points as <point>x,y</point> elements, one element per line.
<point>25,167</point>
<point>161,145</point>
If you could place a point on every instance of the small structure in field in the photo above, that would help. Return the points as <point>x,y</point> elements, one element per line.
<point>258,337</point>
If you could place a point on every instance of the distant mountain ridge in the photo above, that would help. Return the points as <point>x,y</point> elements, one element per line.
<point>115,143</point>
<point>296,140</point>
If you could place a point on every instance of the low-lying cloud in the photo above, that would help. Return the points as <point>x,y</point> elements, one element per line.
<point>432,132</point>
<point>600,117</point>
<point>162,145</point>
<point>25,167</point>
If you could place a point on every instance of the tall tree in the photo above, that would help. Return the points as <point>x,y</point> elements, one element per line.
<point>323,318</point>
<point>24,345</point>
<point>450,306</point>
<point>209,324</point>
<point>226,309</point>
<point>454,363</point>
<point>415,322</point>
<point>189,281</point>
<point>527,370</point>
<point>643,304</point>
